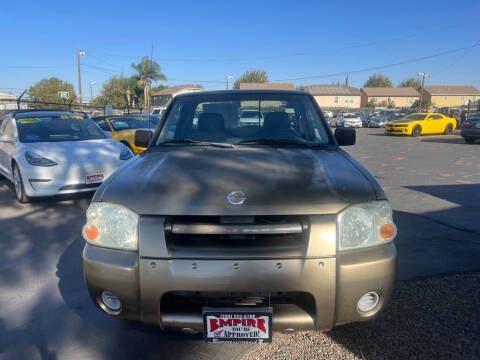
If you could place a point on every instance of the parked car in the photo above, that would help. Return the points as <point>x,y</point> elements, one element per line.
<point>328,114</point>
<point>420,124</point>
<point>236,231</point>
<point>251,117</point>
<point>377,121</point>
<point>471,128</point>
<point>349,120</point>
<point>47,153</point>
<point>122,128</point>
<point>158,111</point>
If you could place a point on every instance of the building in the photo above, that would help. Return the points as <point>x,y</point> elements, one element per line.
<point>266,85</point>
<point>162,98</point>
<point>7,102</point>
<point>450,95</point>
<point>335,96</point>
<point>400,97</point>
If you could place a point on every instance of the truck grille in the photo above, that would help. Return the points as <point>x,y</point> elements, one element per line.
<point>219,236</point>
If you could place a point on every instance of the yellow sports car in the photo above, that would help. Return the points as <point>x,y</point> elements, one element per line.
<point>122,128</point>
<point>421,124</point>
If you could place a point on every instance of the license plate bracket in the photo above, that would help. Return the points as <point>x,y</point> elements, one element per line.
<point>237,325</point>
<point>95,178</point>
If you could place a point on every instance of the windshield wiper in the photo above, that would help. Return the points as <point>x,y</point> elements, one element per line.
<point>267,141</point>
<point>197,142</point>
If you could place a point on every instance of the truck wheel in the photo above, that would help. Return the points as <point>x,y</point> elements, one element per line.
<point>417,131</point>
<point>448,130</point>
<point>470,140</point>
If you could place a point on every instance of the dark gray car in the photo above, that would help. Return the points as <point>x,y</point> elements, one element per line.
<point>236,229</point>
<point>471,128</point>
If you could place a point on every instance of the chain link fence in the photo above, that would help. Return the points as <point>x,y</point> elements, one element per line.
<point>8,105</point>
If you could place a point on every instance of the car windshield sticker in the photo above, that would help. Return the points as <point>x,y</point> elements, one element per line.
<point>28,121</point>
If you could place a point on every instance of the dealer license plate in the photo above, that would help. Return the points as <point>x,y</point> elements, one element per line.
<point>238,325</point>
<point>94,178</point>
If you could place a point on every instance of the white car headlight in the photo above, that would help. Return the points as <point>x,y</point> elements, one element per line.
<point>111,225</point>
<point>365,225</point>
<point>37,160</point>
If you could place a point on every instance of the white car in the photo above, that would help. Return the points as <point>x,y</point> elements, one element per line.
<point>46,153</point>
<point>158,111</point>
<point>349,120</point>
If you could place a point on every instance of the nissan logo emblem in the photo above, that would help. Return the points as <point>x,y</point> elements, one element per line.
<point>236,197</point>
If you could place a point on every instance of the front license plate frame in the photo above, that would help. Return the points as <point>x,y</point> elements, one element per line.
<point>237,325</point>
<point>95,178</point>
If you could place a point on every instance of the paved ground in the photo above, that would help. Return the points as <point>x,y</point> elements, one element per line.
<point>45,313</point>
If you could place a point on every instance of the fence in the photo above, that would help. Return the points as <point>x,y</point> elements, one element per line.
<point>7,105</point>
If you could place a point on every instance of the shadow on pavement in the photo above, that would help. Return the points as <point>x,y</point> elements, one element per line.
<point>436,318</point>
<point>445,139</point>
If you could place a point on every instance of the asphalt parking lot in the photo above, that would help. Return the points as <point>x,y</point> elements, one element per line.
<point>433,184</point>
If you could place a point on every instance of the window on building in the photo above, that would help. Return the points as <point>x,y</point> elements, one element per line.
<point>445,97</point>
<point>348,99</point>
<point>336,100</point>
<point>476,97</point>
<point>462,98</point>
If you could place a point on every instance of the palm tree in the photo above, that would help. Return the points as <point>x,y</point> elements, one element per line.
<point>146,72</point>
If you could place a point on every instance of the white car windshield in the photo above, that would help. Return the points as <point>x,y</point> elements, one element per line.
<point>56,128</point>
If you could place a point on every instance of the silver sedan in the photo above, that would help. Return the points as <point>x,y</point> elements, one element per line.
<point>47,153</point>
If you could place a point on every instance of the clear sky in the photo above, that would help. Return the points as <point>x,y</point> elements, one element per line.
<point>204,41</point>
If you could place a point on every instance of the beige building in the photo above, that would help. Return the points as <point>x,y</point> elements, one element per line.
<point>7,102</point>
<point>271,86</point>
<point>451,95</point>
<point>162,98</point>
<point>335,96</point>
<point>401,97</point>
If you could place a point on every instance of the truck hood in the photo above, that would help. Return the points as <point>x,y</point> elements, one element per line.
<point>276,181</point>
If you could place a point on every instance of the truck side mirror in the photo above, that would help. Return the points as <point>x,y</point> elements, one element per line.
<point>142,138</point>
<point>345,136</point>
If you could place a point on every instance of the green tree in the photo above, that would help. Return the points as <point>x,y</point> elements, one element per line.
<point>301,88</point>
<point>378,81</point>
<point>114,92</point>
<point>158,88</point>
<point>46,90</point>
<point>425,104</point>
<point>146,72</point>
<point>251,76</point>
<point>411,82</point>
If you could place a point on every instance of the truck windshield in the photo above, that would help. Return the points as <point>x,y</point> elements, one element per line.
<point>220,118</point>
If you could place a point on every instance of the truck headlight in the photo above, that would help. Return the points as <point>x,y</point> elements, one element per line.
<point>365,225</point>
<point>111,225</point>
<point>126,154</point>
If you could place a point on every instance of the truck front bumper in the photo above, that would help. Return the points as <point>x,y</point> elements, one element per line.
<point>335,284</point>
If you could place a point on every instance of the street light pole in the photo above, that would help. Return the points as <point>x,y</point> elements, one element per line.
<point>91,91</point>
<point>80,53</point>
<point>423,75</point>
<point>228,78</point>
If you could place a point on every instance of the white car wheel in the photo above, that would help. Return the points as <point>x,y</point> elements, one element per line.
<point>18,184</point>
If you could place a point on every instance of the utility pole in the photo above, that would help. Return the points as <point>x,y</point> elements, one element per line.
<point>423,75</point>
<point>229,77</point>
<point>91,91</point>
<point>80,53</point>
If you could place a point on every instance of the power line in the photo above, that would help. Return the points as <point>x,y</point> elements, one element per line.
<point>461,57</point>
<point>34,66</point>
<point>380,67</point>
<point>315,52</point>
